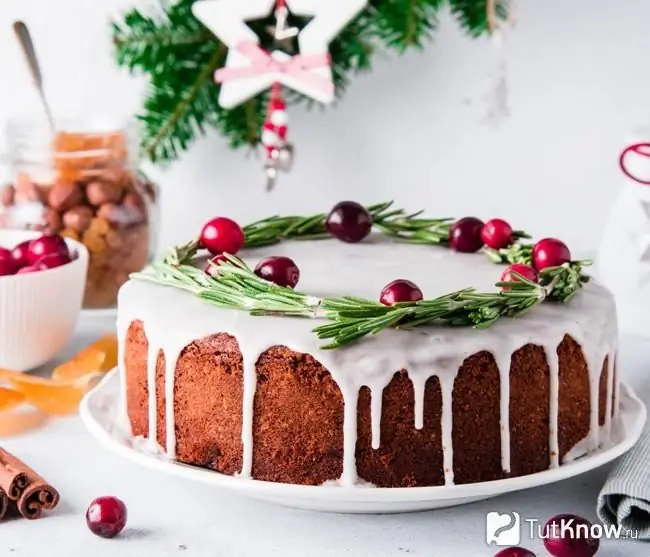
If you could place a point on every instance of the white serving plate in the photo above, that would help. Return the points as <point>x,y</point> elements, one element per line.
<point>100,407</point>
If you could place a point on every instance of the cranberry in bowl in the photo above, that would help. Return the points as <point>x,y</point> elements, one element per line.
<point>42,281</point>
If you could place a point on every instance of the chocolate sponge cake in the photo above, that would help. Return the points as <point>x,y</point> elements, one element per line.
<point>258,397</point>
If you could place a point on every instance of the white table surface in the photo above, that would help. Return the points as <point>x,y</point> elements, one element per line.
<point>174,517</point>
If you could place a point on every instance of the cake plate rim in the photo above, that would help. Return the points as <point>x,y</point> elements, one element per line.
<point>101,401</point>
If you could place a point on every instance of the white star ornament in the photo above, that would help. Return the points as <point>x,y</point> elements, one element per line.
<point>249,70</point>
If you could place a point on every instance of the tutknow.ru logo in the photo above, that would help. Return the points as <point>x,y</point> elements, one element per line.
<point>506,529</point>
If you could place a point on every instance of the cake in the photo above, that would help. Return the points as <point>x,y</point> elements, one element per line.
<point>259,397</point>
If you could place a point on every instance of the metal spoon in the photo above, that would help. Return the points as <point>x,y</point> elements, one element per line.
<point>27,45</point>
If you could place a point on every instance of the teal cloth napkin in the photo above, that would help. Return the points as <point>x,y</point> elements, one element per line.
<point>625,498</point>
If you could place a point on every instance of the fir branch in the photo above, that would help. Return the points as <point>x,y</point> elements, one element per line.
<point>144,43</point>
<point>168,132</point>
<point>472,15</point>
<point>402,24</point>
<point>180,55</point>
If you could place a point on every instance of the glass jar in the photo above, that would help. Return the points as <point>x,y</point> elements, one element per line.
<point>83,182</point>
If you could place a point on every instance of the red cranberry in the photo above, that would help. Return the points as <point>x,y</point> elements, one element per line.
<point>515,552</point>
<point>349,222</point>
<point>496,234</point>
<point>550,252</point>
<point>222,235</point>
<point>7,267</point>
<point>46,245</point>
<point>465,235</point>
<point>279,270</point>
<point>398,291</point>
<point>106,517</point>
<point>5,253</point>
<point>52,261</point>
<point>567,535</point>
<point>525,271</point>
<point>28,269</point>
<point>20,254</point>
<point>211,267</point>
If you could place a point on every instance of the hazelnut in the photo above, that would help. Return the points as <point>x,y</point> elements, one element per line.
<point>7,196</point>
<point>116,214</point>
<point>117,175</point>
<point>134,205</point>
<point>53,221</point>
<point>73,234</point>
<point>78,218</point>
<point>65,196</point>
<point>100,193</point>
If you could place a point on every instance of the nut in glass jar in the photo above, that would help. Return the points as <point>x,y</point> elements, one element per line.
<point>83,183</point>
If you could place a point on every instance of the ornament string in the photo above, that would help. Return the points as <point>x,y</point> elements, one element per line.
<point>499,96</point>
<point>642,149</point>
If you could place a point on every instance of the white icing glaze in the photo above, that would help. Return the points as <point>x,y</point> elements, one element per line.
<point>250,385</point>
<point>419,386</point>
<point>554,394</point>
<point>503,363</point>
<point>152,360</point>
<point>376,394</point>
<point>610,390</point>
<point>174,319</point>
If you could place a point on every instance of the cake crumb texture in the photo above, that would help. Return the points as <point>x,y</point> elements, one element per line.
<point>298,414</point>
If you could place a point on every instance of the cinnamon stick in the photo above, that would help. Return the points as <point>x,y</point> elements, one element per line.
<point>32,494</point>
<point>13,477</point>
<point>4,503</point>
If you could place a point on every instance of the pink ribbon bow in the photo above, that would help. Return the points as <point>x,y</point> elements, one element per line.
<point>262,62</point>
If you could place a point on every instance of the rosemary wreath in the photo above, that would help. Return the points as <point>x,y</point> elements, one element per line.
<point>234,285</point>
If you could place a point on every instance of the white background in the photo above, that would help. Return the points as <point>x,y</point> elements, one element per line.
<point>412,130</point>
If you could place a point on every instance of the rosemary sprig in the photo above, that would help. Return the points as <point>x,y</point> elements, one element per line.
<point>234,285</point>
<point>398,224</point>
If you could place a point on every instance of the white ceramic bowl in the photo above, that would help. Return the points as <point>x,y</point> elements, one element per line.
<point>39,311</point>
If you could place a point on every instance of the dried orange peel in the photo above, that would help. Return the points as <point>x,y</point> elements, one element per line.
<point>99,357</point>
<point>9,399</point>
<point>61,394</point>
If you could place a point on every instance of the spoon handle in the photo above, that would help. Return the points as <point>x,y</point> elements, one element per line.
<point>27,45</point>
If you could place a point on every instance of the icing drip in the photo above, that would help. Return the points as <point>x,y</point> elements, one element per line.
<point>376,396</point>
<point>617,390</point>
<point>171,359</point>
<point>152,360</point>
<point>419,390</point>
<point>350,400</point>
<point>123,417</point>
<point>554,409</point>
<point>503,362</point>
<point>424,353</point>
<point>250,386</point>
<point>610,391</point>
<point>447,426</point>
<point>594,366</point>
